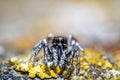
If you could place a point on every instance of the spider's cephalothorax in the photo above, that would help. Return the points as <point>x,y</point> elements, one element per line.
<point>57,50</point>
<point>60,40</point>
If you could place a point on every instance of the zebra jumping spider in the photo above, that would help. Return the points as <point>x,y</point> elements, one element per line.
<point>58,49</point>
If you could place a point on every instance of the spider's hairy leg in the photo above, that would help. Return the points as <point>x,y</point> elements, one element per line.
<point>70,66</point>
<point>71,37</point>
<point>36,49</point>
<point>55,57</point>
<point>83,52</point>
<point>62,60</point>
<point>66,54</point>
<point>80,48</point>
<point>47,57</point>
<point>71,43</point>
<point>78,63</point>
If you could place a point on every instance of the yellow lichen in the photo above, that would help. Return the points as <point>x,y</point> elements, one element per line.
<point>40,69</point>
<point>108,64</point>
<point>42,75</point>
<point>32,73</point>
<point>86,67</point>
<point>99,63</point>
<point>58,70</point>
<point>53,74</point>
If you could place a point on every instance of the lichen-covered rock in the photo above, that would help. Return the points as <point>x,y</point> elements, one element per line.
<point>99,68</point>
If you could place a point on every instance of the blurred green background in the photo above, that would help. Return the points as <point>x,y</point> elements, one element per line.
<point>95,23</point>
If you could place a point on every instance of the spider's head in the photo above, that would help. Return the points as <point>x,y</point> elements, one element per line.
<point>59,40</point>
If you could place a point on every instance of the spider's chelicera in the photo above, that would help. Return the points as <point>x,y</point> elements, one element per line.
<point>60,51</point>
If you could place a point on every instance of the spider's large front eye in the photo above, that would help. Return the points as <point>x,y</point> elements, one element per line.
<point>57,40</point>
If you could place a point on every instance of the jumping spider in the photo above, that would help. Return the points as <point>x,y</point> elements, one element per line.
<point>58,49</point>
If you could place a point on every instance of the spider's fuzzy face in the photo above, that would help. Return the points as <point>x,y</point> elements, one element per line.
<point>59,40</point>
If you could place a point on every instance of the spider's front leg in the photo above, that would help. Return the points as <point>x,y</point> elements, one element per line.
<point>47,56</point>
<point>78,63</point>
<point>70,65</point>
<point>36,49</point>
<point>83,52</point>
<point>55,57</point>
<point>62,59</point>
<point>69,53</point>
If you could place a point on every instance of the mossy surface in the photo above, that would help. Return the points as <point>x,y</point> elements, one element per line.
<point>101,66</point>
